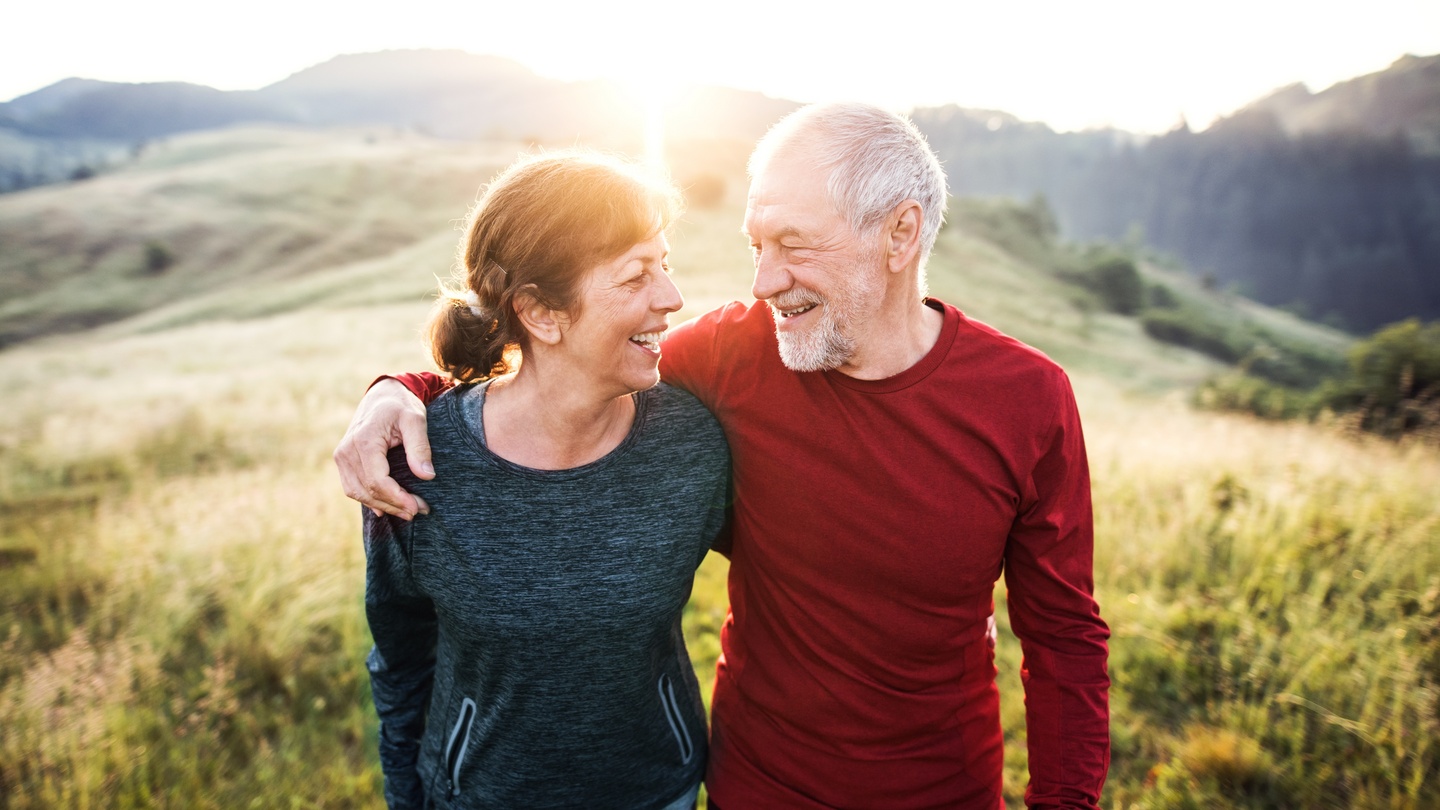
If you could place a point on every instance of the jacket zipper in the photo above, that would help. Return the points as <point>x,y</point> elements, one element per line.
<point>673,717</point>
<point>455,754</point>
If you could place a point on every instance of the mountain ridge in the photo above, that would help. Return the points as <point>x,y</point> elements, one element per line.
<point>1404,98</point>
<point>450,93</point>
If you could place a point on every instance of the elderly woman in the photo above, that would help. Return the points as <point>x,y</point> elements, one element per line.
<point>528,650</point>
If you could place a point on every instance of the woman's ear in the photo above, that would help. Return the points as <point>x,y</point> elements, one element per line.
<point>544,324</point>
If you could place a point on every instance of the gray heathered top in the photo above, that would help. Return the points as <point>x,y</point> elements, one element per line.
<point>534,616</point>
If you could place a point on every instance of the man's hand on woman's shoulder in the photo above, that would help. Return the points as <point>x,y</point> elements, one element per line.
<point>389,415</point>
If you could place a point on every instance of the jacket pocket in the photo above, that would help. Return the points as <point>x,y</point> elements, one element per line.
<point>458,743</point>
<point>675,718</point>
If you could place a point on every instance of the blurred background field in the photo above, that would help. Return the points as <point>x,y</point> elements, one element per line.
<point>181,621</point>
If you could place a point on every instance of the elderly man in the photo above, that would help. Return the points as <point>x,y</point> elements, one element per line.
<point>891,458</point>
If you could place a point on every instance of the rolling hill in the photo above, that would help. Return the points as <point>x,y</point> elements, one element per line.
<point>254,221</point>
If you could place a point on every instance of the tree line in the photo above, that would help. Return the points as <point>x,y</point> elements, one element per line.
<point>1338,226</point>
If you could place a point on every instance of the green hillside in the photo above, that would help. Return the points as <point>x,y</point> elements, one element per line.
<point>217,212</point>
<point>252,222</point>
<point>180,578</point>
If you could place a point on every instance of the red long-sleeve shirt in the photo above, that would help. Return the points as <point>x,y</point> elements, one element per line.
<point>871,521</point>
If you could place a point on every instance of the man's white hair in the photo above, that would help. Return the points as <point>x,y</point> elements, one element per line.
<point>877,159</point>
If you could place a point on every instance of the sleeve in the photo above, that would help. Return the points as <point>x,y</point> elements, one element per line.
<point>426,385</point>
<point>691,358</point>
<point>1050,591</point>
<point>403,625</point>
<point>688,356</point>
<point>717,525</point>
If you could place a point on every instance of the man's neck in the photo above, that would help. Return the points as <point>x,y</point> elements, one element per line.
<point>897,337</point>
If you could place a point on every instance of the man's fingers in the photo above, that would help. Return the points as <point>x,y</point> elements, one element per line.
<point>379,489</point>
<point>416,440</point>
<point>365,477</point>
<point>388,415</point>
<point>376,499</point>
<point>391,498</point>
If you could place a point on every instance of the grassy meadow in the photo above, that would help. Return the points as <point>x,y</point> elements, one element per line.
<point>181,620</point>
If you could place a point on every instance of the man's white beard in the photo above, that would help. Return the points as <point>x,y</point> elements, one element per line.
<point>821,347</point>
<point>829,343</point>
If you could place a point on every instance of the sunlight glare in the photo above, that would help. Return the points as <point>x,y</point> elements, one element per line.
<point>654,92</point>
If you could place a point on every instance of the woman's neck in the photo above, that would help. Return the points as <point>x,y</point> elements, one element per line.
<point>539,421</point>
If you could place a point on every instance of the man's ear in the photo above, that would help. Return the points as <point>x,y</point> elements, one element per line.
<point>544,324</point>
<point>902,236</point>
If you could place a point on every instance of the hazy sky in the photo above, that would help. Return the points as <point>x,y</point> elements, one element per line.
<point>1134,64</point>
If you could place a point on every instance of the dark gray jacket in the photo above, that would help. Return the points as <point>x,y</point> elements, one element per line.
<point>528,651</point>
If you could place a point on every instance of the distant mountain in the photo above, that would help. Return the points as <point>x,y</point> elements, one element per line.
<point>135,112</point>
<point>395,72</point>
<point>447,93</point>
<point>57,132</point>
<point>1404,99</point>
<point>32,154</point>
<point>444,92</point>
<point>455,94</point>
<point>48,99</point>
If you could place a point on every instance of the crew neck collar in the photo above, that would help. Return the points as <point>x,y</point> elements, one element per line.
<point>915,373</point>
<point>467,408</point>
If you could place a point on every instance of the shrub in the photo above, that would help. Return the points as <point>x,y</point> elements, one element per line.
<point>1191,329</point>
<point>158,257</point>
<point>1393,381</point>
<point>705,190</point>
<point>1235,762</point>
<point>1117,282</point>
<point>1257,352</point>
<point>1161,297</point>
<point>1242,392</point>
<point>1391,384</point>
<point>1398,363</point>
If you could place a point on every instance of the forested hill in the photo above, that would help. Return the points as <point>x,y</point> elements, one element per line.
<point>1404,99</point>
<point>1326,203</point>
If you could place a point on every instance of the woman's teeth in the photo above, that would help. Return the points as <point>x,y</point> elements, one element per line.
<point>650,340</point>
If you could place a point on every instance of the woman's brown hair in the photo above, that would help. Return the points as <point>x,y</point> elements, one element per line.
<point>539,227</point>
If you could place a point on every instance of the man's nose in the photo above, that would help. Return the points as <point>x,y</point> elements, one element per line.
<point>772,276</point>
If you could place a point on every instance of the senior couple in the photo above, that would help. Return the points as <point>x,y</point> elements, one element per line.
<point>870,460</point>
